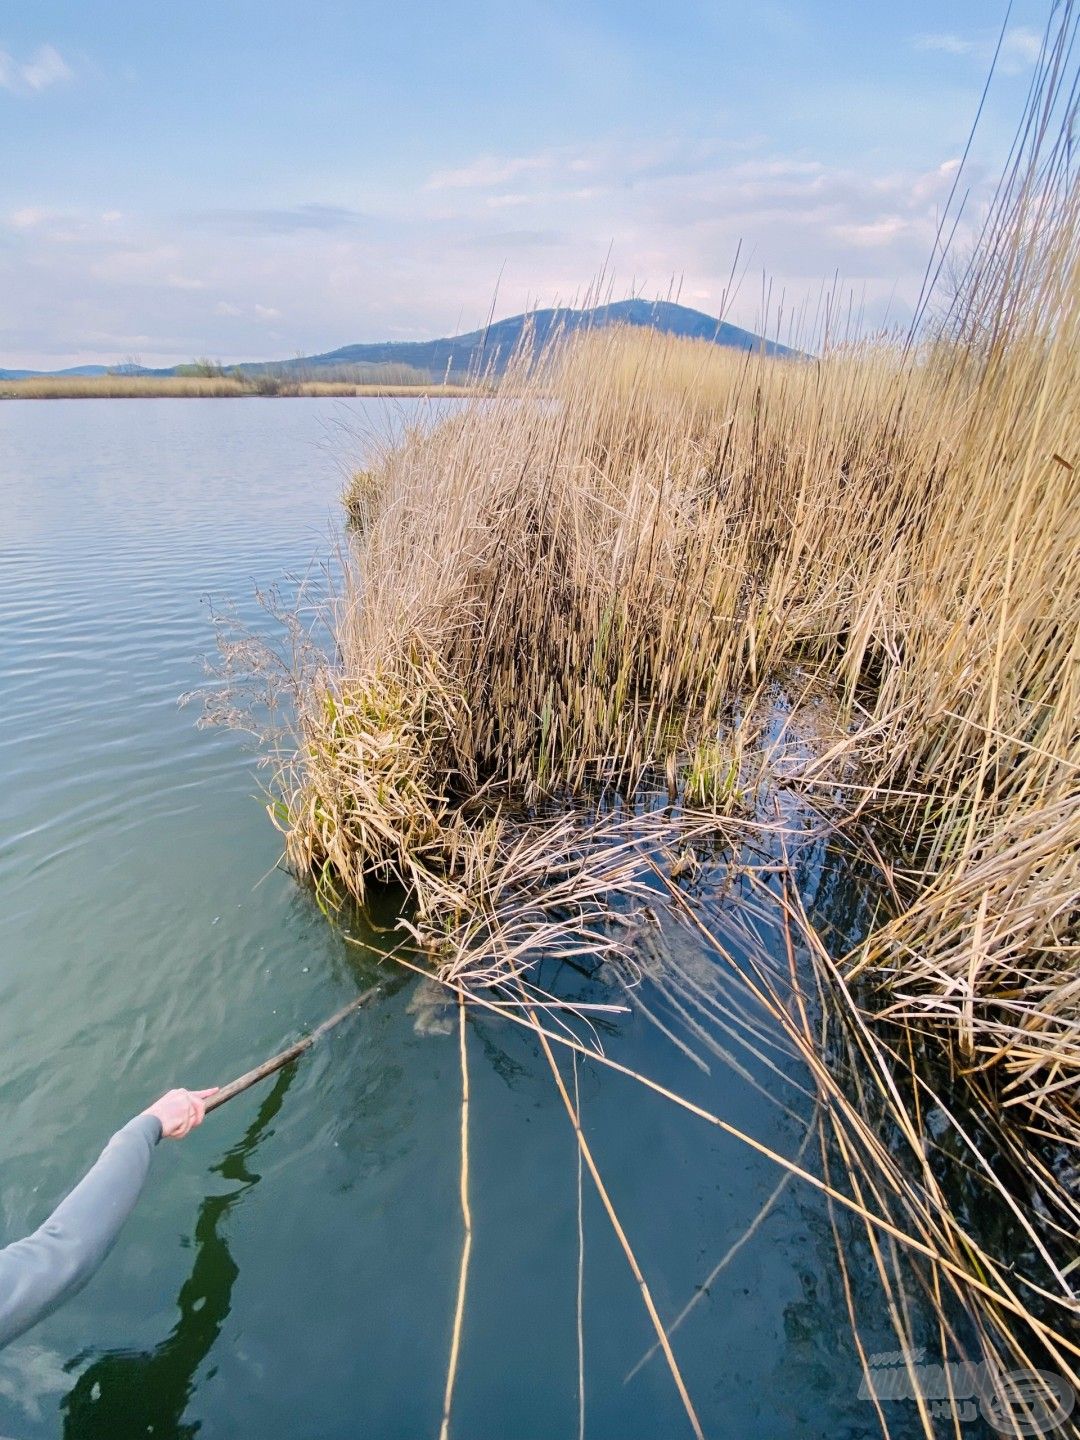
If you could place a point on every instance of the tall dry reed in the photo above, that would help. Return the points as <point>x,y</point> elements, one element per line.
<point>595,580</point>
<point>587,579</point>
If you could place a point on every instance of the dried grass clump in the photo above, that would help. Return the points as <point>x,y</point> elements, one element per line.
<point>592,577</point>
<point>361,498</point>
<point>604,570</point>
<point>377,812</point>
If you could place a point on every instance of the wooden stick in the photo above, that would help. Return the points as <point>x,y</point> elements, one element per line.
<point>291,1052</point>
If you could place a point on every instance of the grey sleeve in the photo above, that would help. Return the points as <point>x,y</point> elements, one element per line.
<point>38,1273</point>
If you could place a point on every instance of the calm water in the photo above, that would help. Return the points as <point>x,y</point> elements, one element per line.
<point>291,1269</point>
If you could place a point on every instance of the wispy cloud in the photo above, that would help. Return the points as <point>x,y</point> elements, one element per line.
<point>230,310</point>
<point>44,68</point>
<point>424,259</point>
<point>1020,47</point>
<point>27,217</point>
<point>947,44</point>
<point>489,170</point>
<point>283,220</point>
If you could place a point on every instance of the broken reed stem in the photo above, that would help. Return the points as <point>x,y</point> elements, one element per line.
<point>466,1220</point>
<point>646,1294</point>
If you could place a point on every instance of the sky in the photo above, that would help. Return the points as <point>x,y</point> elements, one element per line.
<point>251,181</point>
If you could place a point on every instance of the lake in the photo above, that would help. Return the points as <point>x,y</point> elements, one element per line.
<point>292,1267</point>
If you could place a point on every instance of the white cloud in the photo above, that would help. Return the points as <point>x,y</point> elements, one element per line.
<point>547,198</point>
<point>487,171</point>
<point>947,44</point>
<point>874,233</point>
<point>45,67</point>
<point>48,67</point>
<point>27,217</point>
<point>1020,47</point>
<point>427,260</point>
<point>230,310</point>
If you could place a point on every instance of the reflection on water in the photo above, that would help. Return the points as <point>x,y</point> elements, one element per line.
<point>146,1392</point>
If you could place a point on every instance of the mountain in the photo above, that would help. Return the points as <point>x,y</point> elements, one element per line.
<point>491,347</point>
<point>34,374</point>
<point>497,342</point>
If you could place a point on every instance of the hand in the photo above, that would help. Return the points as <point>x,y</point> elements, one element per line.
<point>180,1111</point>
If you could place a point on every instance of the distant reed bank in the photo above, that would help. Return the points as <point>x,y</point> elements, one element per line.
<point>134,387</point>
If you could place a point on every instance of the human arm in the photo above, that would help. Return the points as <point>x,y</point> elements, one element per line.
<point>46,1268</point>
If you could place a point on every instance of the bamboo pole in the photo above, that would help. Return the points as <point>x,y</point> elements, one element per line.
<point>291,1052</point>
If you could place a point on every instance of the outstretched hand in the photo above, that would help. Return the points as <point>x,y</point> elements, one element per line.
<point>180,1111</point>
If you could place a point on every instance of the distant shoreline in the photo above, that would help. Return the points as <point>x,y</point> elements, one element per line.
<point>183,387</point>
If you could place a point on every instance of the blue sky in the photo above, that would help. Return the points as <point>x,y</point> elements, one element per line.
<point>252,180</point>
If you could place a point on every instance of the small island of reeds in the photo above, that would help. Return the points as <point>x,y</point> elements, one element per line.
<point>580,622</point>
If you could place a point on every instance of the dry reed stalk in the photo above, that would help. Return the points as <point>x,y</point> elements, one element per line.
<point>466,1223</point>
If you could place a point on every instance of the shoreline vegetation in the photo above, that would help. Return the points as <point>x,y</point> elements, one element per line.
<point>565,618</point>
<point>192,387</point>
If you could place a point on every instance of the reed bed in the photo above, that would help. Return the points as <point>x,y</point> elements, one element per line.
<point>595,584</point>
<point>118,387</point>
<point>596,580</point>
<point>599,586</point>
<point>199,387</point>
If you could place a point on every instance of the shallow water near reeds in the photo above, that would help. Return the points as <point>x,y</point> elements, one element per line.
<point>292,1267</point>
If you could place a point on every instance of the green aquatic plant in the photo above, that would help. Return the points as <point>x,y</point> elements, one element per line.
<point>711,775</point>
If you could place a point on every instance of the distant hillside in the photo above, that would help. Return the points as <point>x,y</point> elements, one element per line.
<point>74,370</point>
<point>481,349</point>
<point>494,345</point>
